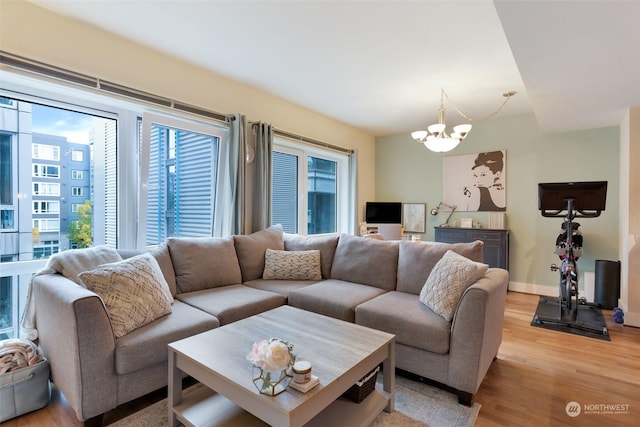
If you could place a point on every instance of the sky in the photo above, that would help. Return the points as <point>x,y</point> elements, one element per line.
<point>76,127</point>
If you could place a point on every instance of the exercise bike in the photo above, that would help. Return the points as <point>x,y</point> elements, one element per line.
<point>569,201</point>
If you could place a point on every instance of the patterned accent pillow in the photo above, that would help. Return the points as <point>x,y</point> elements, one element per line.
<point>133,290</point>
<point>292,265</point>
<point>448,280</point>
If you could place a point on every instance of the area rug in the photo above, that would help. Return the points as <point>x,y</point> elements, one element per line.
<point>589,321</point>
<point>417,404</point>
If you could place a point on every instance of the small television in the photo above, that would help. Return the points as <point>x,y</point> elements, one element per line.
<point>383,213</point>
<point>588,198</point>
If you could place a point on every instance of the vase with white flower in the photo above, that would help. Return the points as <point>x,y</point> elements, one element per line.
<point>272,365</point>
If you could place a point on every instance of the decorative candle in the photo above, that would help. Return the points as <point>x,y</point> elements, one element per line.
<point>302,371</point>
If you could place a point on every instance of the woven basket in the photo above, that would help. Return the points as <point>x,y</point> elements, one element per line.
<point>363,388</point>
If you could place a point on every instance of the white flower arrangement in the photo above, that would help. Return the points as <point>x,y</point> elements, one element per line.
<point>272,355</point>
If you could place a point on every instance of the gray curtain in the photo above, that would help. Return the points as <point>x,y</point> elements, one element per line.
<point>230,202</point>
<point>261,201</point>
<point>353,193</point>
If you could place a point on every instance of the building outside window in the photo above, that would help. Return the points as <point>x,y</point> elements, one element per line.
<point>309,191</point>
<point>77,174</point>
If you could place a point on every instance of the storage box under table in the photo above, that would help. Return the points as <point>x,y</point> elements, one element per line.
<point>24,390</point>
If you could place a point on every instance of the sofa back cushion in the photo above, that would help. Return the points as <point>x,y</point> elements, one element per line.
<point>417,259</point>
<point>326,244</point>
<point>204,262</point>
<point>251,249</point>
<point>366,261</point>
<point>161,254</point>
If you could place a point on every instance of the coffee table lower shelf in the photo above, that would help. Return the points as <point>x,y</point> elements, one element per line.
<point>204,407</point>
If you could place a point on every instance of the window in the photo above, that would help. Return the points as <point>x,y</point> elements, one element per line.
<point>45,249</point>
<point>65,148</point>
<point>6,170</point>
<point>309,189</point>
<point>77,155</point>
<point>46,225</point>
<point>46,207</point>
<point>46,171</point>
<point>6,219</point>
<point>181,164</point>
<point>45,152</point>
<point>46,189</point>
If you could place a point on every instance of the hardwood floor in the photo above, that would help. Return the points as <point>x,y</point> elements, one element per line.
<point>536,374</point>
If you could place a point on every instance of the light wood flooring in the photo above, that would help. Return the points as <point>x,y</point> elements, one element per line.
<point>536,374</point>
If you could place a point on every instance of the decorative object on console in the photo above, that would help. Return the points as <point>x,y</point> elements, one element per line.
<point>436,139</point>
<point>436,211</point>
<point>413,217</point>
<point>272,360</point>
<point>476,182</point>
<point>466,222</point>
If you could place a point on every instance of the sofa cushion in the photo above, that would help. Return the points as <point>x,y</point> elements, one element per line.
<point>413,323</point>
<point>333,298</point>
<point>366,261</point>
<point>204,262</point>
<point>326,244</point>
<point>147,346</point>
<point>282,287</point>
<point>292,265</point>
<point>450,277</point>
<point>134,292</point>
<point>231,303</point>
<point>251,250</point>
<point>161,254</point>
<point>417,259</point>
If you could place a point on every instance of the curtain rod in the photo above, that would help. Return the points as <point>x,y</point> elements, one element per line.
<point>311,141</point>
<point>40,68</point>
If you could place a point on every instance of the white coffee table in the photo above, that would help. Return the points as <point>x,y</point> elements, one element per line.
<point>341,353</point>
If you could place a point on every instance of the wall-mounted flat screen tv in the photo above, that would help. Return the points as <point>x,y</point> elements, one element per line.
<point>383,212</point>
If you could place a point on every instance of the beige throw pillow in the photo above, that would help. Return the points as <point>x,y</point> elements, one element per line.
<point>133,290</point>
<point>292,265</point>
<point>448,280</point>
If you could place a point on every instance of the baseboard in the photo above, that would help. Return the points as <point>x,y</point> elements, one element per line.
<point>632,319</point>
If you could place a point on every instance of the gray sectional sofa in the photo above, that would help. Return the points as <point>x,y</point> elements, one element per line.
<point>215,281</point>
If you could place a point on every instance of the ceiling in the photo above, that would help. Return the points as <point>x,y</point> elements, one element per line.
<point>379,65</point>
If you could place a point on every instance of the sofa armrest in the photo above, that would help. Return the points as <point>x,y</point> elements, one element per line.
<point>76,336</point>
<point>476,331</point>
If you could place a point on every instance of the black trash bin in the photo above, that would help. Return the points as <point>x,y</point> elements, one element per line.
<point>607,284</point>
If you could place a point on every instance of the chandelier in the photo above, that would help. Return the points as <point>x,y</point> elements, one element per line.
<point>436,139</point>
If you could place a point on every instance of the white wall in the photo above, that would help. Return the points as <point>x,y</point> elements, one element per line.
<point>630,216</point>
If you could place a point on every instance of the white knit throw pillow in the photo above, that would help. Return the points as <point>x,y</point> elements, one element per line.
<point>134,291</point>
<point>448,280</point>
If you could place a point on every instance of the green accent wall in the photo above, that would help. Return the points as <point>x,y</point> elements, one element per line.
<point>406,171</point>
